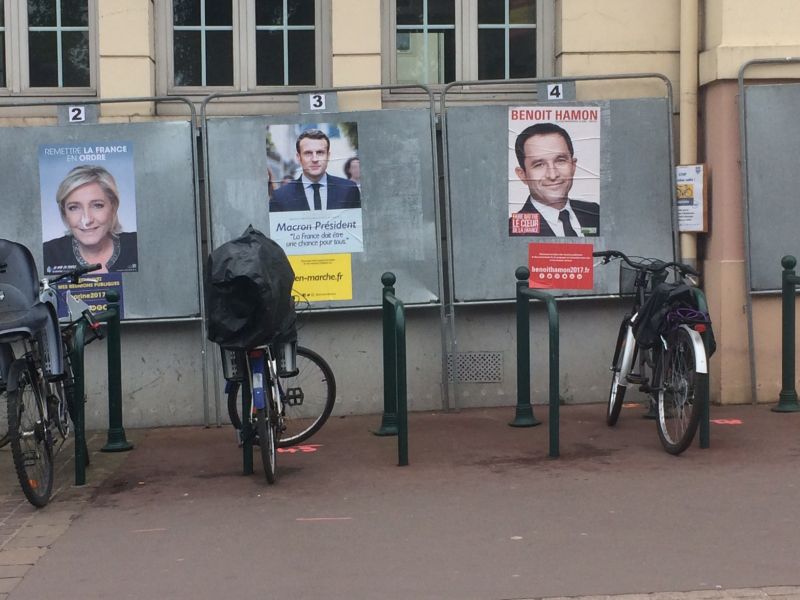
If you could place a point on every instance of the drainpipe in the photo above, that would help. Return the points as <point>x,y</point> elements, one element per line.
<point>689,49</point>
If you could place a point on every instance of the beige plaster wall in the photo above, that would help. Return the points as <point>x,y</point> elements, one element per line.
<point>127,54</point>
<point>356,41</point>
<point>736,31</point>
<point>600,37</point>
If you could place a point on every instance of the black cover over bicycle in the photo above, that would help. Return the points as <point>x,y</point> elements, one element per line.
<point>286,392</point>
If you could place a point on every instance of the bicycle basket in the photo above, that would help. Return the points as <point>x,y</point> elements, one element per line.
<point>627,280</point>
<point>234,365</point>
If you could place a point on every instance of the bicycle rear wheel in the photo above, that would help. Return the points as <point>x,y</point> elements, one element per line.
<point>678,405</point>
<point>3,418</point>
<point>265,427</point>
<point>31,440</point>
<point>616,394</point>
<point>307,398</point>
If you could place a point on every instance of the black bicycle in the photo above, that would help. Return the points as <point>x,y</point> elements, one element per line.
<point>39,382</point>
<point>659,347</point>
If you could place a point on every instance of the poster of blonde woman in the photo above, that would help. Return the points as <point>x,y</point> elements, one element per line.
<point>88,206</point>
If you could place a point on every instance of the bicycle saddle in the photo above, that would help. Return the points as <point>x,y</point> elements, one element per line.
<point>22,315</point>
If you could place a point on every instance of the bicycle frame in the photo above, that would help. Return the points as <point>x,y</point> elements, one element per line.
<point>263,368</point>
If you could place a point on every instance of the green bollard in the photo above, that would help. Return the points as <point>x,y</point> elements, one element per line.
<point>77,401</point>
<point>116,441</point>
<point>704,390</point>
<point>554,419</point>
<point>389,419</point>
<point>524,411</point>
<point>787,401</point>
<point>399,339</point>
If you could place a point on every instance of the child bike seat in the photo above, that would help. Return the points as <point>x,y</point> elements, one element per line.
<point>22,314</point>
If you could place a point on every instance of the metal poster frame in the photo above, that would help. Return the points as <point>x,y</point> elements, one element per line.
<point>303,96</point>
<point>748,277</point>
<point>539,85</point>
<point>192,119</point>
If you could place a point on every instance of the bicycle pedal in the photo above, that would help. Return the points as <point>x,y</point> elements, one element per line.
<point>636,378</point>
<point>294,396</point>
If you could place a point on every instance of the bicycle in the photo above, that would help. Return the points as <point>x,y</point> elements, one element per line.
<point>300,387</point>
<point>39,382</point>
<point>662,335</point>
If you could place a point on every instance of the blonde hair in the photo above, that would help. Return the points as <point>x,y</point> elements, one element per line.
<point>84,175</point>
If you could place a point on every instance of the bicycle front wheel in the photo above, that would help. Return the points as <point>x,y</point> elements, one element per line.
<point>616,394</point>
<point>31,440</point>
<point>678,403</point>
<point>266,441</point>
<point>307,398</point>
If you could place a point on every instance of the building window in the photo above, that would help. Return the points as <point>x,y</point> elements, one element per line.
<point>202,42</point>
<point>58,43</point>
<point>54,49</point>
<point>285,42</point>
<point>439,41</point>
<point>245,45</point>
<point>506,39</point>
<point>426,41</point>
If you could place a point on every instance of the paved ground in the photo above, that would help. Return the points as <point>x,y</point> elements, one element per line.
<point>481,512</point>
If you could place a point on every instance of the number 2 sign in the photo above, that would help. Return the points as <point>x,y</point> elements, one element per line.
<point>77,114</point>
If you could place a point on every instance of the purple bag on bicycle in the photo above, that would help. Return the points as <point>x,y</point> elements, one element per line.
<point>653,322</point>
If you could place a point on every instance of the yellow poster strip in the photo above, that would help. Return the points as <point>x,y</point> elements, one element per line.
<point>320,277</point>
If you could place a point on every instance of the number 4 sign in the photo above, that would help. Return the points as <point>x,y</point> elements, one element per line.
<point>554,91</point>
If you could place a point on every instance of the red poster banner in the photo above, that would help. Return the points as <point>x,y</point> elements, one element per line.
<point>560,266</point>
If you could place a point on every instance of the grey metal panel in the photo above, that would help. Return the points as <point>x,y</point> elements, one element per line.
<point>773,179</point>
<point>397,182</point>
<point>635,195</point>
<point>166,284</point>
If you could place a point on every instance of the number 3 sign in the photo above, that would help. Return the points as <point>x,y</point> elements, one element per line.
<point>317,102</point>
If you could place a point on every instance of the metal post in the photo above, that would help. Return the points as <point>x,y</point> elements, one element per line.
<point>704,389</point>
<point>788,397</point>
<point>247,424</point>
<point>389,418</point>
<point>554,417</point>
<point>399,339</point>
<point>524,416</point>
<point>116,432</point>
<point>77,400</point>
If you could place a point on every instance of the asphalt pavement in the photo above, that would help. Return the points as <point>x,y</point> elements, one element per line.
<point>480,512</point>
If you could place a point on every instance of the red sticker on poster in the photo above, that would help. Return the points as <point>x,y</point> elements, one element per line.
<point>560,266</point>
<point>525,224</point>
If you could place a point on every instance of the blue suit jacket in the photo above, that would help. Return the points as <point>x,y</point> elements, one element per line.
<point>342,193</point>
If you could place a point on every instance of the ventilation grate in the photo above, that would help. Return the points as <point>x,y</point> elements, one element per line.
<point>475,367</point>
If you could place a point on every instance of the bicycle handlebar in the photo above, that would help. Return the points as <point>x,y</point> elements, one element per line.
<point>74,274</point>
<point>656,266</point>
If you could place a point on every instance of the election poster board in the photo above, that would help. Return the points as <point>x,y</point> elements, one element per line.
<point>554,171</point>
